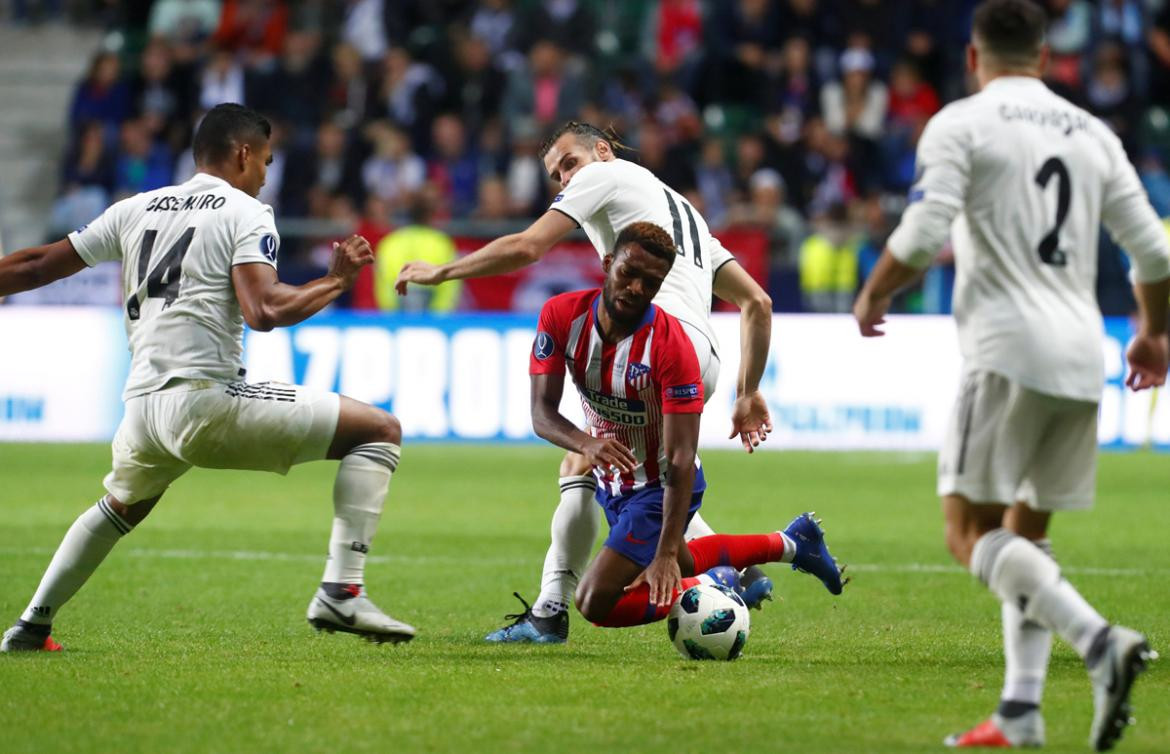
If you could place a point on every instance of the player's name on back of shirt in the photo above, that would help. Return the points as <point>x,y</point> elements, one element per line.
<point>185,203</point>
<point>1066,121</point>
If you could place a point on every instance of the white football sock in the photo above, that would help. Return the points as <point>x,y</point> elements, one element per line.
<point>1020,573</point>
<point>1027,645</point>
<point>85,546</point>
<point>574,530</point>
<point>697,528</point>
<point>358,494</point>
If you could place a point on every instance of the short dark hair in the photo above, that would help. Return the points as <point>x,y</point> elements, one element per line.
<point>656,241</point>
<point>1011,31</point>
<point>585,133</point>
<point>223,128</point>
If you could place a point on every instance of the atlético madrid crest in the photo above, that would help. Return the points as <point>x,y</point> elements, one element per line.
<point>638,376</point>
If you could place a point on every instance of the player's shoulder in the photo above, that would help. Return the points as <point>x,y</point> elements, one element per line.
<point>567,306</point>
<point>668,325</point>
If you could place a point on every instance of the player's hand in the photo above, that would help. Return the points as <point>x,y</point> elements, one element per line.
<point>750,420</point>
<point>869,313</point>
<point>608,453</point>
<point>421,273</point>
<point>664,578</point>
<point>349,257</point>
<point>1148,356</point>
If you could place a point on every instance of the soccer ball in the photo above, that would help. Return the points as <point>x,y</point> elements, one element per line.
<point>709,622</point>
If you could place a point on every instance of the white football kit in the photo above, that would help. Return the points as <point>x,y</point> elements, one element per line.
<point>186,402</point>
<point>605,197</point>
<point>1027,178</point>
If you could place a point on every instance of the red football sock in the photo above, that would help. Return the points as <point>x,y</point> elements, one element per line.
<point>736,550</point>
<point>635,609</point>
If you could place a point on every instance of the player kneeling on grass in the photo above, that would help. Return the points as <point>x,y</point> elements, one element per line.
<point>642,393</point>
<point>198,261</point>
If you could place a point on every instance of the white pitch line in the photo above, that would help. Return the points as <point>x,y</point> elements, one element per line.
<point>188,554</point>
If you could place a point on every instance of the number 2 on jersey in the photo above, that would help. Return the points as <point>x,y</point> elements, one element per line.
<point>1048,249</point>
<point>679,241</point>
<point>163,280</point>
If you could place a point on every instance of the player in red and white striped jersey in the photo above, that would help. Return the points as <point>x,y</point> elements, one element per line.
<point>640,384</point>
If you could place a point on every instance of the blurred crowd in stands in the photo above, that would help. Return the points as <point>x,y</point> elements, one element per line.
<point>796,119</point>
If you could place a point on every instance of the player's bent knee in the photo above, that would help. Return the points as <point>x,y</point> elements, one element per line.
<point>574,464</point>
<point>594,604</point>
<point>390,428</point>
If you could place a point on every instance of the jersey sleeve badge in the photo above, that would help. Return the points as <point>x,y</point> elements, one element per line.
<point>543,346</point>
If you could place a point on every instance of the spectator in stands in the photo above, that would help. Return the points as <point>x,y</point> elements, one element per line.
<point>102,97</point>
<point>569,24</point>
<point>766,210</point>
<point>184,24</point>
<point>856,104</point>
<point>494,21</point>
<point>373,226</point>
<point>1124,22</point>
<point>292,92</point>
<point>672,37</point>
<point>750,152</point>
<point>475,84</point>
<point>1070,28</point>
<point>393,173</point>
<point>912,102</point>
<point>90,163</point>
<point>325,170</point>
<point>364,29</point>
<point>222,80</point>
<point>526,178</point>
<point>347,91</point>
<point>143,164</point>
<point>793,94</point>
<point>493,204</point>
<point>454,169</point>
<point>670,165</point>
<point>1159,41</point>
<point>714,182</point>
<point>162,94</point>
<point>414,242</point>
<point>409,95</point>
<point>253,28</point>
<point>743,41</point>
<point>1110,94</point>
<point>828,263</point>
<point>87,181</point>
<point>545,89</point>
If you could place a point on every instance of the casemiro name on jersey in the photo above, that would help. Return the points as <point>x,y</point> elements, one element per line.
<point>1067,122</point>
<point>185,203</point>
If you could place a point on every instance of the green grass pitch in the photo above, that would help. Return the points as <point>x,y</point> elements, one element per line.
<point>192,635</point>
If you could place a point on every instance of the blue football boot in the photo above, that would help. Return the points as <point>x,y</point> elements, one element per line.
<point>812,556</point>
<point>752,592</point>
<point>756,587</point>
<point>529,628</point>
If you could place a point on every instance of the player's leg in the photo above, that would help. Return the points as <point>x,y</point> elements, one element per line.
<point>141,472</point>
<point>367,441</point>
<point>573,531</point>
<point>1018,572</point>
<point>273,426</point>
<point>1027,645</point>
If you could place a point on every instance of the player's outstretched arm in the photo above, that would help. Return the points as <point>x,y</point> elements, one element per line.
<point>32,268</point>
<point>1149,353</point>
<point>888,277</point>
<point>749,417</point>
<point>505,254</point>
<point>550,424</point>
<point>681,439</point>
<point>267,303</point>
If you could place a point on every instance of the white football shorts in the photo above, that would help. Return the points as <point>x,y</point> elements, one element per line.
<point>1006,443</point>
<point>268,426</point>
<point>708,359</point>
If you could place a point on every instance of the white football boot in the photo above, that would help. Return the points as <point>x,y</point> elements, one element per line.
<point>28,637</point>
<point>356,615</point>
<point>1126,655</point>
